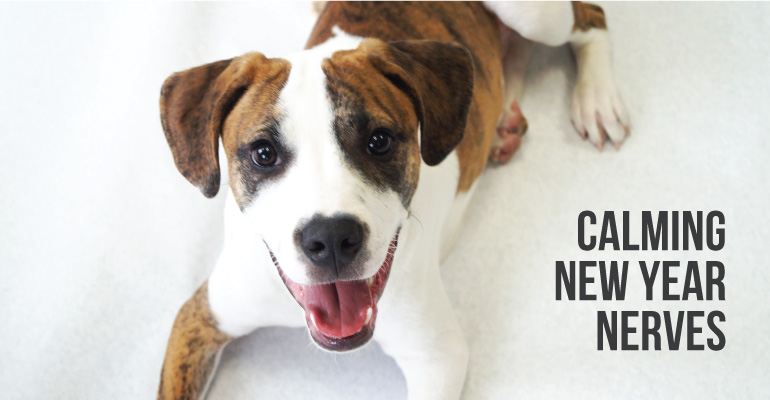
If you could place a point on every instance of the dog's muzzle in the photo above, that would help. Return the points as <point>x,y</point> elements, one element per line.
<point>341,315</point>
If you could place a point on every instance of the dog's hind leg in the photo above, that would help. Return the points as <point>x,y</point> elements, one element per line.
<point>597,111</point>
<point>516,51</point>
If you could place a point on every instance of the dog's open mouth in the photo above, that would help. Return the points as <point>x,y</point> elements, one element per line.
<point>341,315</point>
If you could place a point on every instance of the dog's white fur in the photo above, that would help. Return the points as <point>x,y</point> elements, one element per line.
<point>596,100</point>
<point>416,324</point>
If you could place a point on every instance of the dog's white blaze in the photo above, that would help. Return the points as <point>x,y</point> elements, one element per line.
<point>318,180</point>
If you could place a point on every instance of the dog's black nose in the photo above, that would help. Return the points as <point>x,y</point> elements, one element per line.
<point>332,243</point>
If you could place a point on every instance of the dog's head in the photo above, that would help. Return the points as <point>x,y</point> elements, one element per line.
<point>324,151</point>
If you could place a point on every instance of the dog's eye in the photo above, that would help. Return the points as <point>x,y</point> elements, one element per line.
<point>380,142</point>
<point>263,154</point>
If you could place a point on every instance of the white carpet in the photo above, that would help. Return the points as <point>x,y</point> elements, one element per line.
<point>101,240</point>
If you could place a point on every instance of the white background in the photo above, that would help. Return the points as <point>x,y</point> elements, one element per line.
<point>101,240</point>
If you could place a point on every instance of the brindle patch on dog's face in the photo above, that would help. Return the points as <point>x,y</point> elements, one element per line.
<point>363,101</point>
<point>256,117</point>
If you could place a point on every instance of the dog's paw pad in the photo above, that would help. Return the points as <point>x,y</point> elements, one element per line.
<point>511,127</point>
<point>598,114</point>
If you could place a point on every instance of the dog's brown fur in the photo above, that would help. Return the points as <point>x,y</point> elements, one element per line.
<point>588,16</point>
<point>398,84</point>
<point>195,103</point>
<point>468,24</point>
<point>192,350</point>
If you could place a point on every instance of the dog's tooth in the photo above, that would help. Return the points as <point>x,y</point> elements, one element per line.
<point>368,315</point>
<point>370,281</point>
<point>312,319</point>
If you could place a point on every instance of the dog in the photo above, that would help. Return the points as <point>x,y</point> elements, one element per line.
<point>350,165</point>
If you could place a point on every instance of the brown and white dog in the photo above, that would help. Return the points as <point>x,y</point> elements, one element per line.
<point>350,166</point>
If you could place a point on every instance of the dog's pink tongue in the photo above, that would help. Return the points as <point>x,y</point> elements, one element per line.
<point>339,308</point>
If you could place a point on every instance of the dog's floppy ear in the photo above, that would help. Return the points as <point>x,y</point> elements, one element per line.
<point>193,107</point>
<point>438,77</point>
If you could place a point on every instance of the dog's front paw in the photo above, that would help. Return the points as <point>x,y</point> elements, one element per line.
<point>597,111</point>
